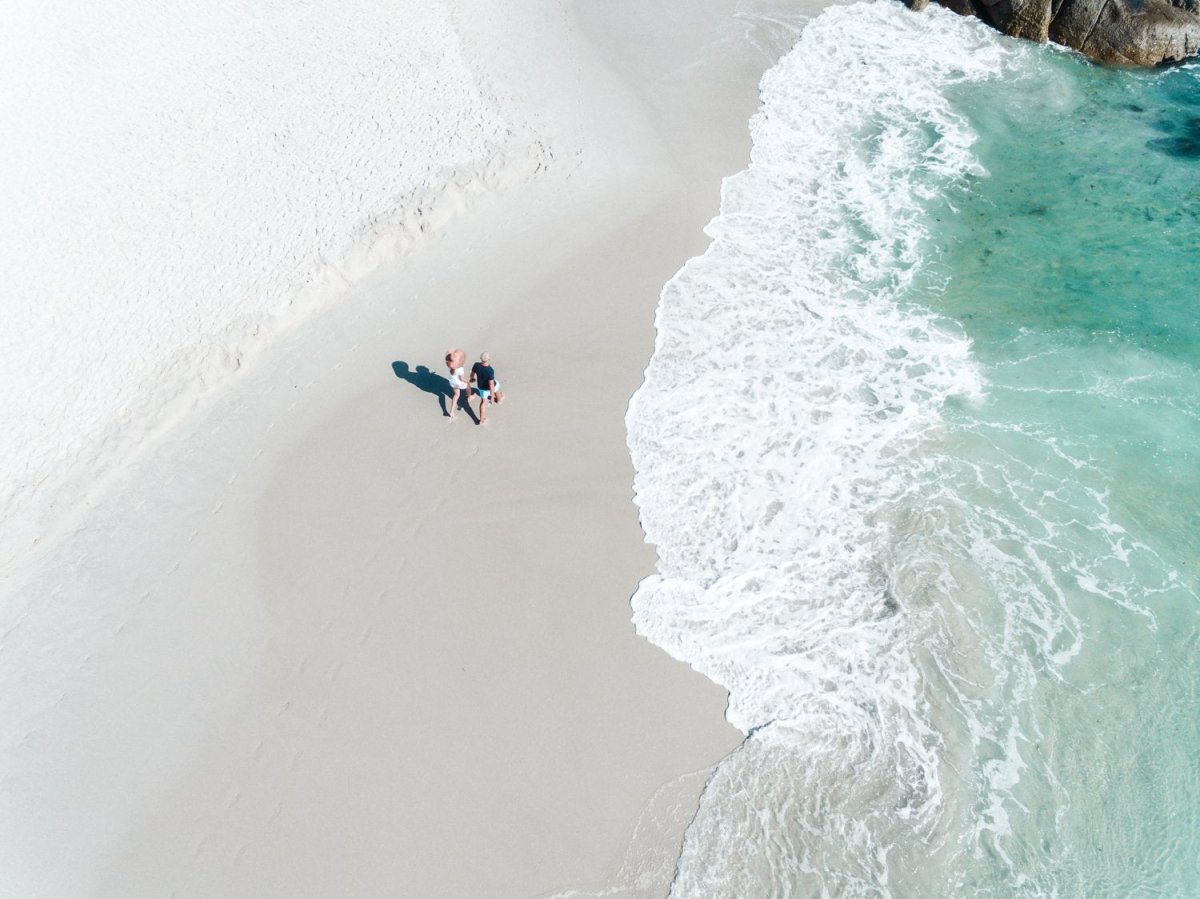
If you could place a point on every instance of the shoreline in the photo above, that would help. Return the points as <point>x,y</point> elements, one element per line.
<point>356,647</point>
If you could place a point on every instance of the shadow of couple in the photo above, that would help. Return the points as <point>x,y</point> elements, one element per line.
<point>423,379</point>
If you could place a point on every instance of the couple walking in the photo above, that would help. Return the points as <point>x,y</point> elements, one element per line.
<point>483,376</point>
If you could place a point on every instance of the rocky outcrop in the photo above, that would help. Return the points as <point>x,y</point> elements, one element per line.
<point>1122,32</point>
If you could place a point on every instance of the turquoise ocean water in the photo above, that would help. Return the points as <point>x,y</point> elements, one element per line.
<point>938,530</point>
<point>1074,269</point>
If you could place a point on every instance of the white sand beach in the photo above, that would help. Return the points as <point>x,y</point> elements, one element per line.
<point>313,639</point>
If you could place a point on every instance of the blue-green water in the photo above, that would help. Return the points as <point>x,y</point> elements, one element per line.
<point>937,524</point>
<point>1073,267</point>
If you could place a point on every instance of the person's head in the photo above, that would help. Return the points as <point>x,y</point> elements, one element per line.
<point>485,358</point>
<point>450,359</point>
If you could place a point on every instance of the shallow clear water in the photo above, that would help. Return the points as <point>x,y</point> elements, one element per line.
<point>936,523</point>
<point>1073,268</point>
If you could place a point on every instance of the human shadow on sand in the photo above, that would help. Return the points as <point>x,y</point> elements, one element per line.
<point>423,379</point>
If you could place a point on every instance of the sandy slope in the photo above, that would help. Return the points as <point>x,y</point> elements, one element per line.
<point>182,180</point>
<point>321,641</point>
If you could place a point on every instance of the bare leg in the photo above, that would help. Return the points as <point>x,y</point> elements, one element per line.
<point>482,409</point>
<point>454,402</point>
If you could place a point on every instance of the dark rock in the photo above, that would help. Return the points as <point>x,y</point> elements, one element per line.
<point>1128,32</point>
<point>1180,147</point>
<point>1184,145</point>
<point>1029,19</point>
<point>1120,32</point>
<point>968,8</point>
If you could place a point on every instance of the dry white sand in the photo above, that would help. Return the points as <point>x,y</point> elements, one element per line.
<point>321,641</point>
<point>179,183</point>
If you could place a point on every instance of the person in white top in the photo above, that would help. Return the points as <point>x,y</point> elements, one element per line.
<point>457,377</point>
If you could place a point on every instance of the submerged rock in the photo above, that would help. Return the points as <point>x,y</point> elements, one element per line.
<point>1121,32</point>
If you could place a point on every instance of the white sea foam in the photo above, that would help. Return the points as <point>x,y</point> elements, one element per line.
<point>859,536</point>
<point>788,386</point>
<point>179,181</point>
<point>779,431</point>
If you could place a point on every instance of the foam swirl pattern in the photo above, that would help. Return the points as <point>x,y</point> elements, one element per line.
<point>897,580</point>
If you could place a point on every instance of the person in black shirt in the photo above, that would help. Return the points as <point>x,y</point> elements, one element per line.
<point>483,376</point>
